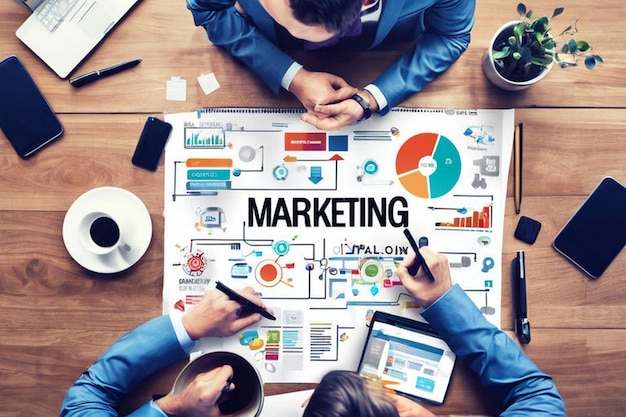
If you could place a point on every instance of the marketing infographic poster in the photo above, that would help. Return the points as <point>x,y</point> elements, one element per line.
<point>314,221</point>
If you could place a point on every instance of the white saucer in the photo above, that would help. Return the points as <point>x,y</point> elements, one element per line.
<point>134,220</point>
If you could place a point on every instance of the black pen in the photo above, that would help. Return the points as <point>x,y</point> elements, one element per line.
<point>247,306</point>
<point>96,75</point>
<point>419,259</point>
<point>521,323</point>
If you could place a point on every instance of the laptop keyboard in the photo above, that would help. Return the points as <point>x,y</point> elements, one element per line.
<point>52,13</point>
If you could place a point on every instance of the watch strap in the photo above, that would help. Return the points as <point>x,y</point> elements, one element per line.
<point>365,105</point>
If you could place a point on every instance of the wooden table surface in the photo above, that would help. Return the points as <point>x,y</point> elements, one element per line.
<point>58,318</point>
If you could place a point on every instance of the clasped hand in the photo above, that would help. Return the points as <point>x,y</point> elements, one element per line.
<point>326,97</point>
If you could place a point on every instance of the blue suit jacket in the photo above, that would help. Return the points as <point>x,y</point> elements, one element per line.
<point>443,25</point>
<point>500,364</point>
<point>132,358</point>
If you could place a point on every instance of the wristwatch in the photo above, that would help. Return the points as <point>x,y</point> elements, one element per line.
<point>365,105</point>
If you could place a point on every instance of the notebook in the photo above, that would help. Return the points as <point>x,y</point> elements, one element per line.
<point>63,42</point>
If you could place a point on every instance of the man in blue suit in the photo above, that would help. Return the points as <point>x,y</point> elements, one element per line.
<point>258,32</point>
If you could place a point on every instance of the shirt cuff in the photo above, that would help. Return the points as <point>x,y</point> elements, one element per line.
<point>157,409</point>
<point>181,334</point>
<point>290,75</point>
<point>378,95</point>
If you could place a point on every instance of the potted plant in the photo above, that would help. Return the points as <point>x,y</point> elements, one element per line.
<point>523,52</point>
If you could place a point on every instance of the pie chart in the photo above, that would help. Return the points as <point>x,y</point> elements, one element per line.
<point>428,165</point>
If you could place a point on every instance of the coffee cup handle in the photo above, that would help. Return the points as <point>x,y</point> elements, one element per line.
<point>123,246</point>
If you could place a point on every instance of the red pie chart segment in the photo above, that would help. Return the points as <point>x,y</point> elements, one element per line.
<point>428,165</point>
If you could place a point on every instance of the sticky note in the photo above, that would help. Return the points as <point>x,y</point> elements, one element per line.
<point>208,83</point>
<point>176,89</point>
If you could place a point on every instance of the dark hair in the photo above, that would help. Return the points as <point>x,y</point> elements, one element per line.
<point>337,16</point>
<point>346,394</point>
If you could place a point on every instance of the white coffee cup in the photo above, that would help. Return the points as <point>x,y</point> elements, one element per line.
<point>100,233</point>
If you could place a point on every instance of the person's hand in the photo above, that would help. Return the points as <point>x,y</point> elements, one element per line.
<point>421,288</point>
<point>337,115</point>
<point>334,116</point>
<point>408,408</point>
<point>216,315</point>
<point>313,88</point>
<point>199,398</point>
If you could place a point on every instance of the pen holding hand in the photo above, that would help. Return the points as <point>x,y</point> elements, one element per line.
<point>421,286</point>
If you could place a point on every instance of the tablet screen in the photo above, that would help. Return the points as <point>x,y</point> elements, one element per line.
<point>408,357</point>
<point>596,233</point>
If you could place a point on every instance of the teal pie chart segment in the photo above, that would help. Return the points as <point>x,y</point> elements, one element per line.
<point>448,169</point>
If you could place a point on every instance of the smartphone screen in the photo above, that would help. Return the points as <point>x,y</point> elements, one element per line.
<point>151,143</point>
<point>596,233</point>
<point>26,118</point>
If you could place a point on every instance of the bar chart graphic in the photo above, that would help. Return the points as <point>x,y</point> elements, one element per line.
<point>428,165</point>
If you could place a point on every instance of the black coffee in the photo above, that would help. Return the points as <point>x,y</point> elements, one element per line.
<point>104,232</point>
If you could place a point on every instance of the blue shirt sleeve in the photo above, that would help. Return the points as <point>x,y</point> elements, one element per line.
<point>133,357</point>
<point>445,26</point>
<point>237,35</point>
<point>502,367</point>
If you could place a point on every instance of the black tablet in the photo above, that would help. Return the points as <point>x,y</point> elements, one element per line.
<point>596,233</point>
<point>26,118</point>
<point>407,356</point>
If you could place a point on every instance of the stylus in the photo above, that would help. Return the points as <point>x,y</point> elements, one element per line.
<point>96,75</point>
<point>247,307</point>
<point>522,325</point>
<point>419,259</point>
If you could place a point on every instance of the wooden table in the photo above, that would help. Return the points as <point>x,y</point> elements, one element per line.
<point>58,318</point>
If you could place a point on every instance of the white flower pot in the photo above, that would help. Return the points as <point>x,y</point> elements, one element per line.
<point>492,74</point>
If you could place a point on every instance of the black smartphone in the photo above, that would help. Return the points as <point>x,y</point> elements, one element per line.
<point>26,118</point>
<point>151,143</point>
<point>596,233</point>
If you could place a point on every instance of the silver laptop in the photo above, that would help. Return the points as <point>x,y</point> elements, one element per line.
<point>63,32</point>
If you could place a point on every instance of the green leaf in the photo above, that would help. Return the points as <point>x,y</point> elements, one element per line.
<point>557,12</point>
<point>505,52</point>
<point>590,62</point>
<point>583,46</point>
<point>572,46</point>
<point>516,55</point>
<point>541,25</point>
<point>549,43</point>
<point>521,9</point>
<point>542,61</point>
<point>518,32</point>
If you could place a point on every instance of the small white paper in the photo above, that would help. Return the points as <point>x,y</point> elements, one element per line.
<point>208,83</point>
<point>176,89</point>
